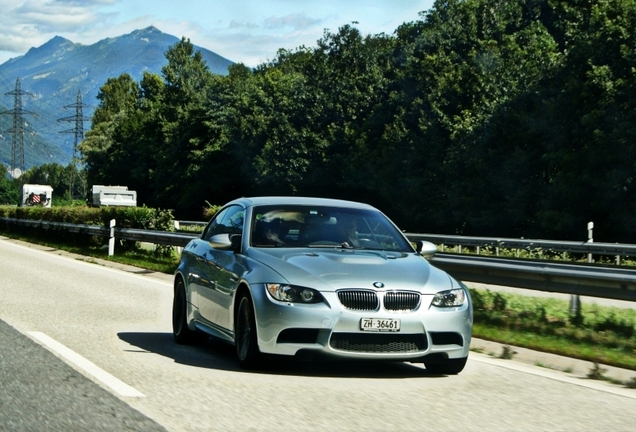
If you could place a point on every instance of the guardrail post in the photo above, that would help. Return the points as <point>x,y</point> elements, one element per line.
<point>111,238</point>
<point>575,300</point>
<point>590,239</point>
<point>176,228</point>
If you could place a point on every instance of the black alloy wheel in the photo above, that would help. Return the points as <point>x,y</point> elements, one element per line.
<point>180,330</point>
<point>249,356</point>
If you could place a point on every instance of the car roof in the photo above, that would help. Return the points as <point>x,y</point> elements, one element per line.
<point>295,200</point>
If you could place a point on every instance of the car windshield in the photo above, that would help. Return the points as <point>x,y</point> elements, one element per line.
<point>317,226</point>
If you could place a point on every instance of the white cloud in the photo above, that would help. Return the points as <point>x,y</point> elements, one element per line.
<point>248,31</point>
<point>296,21</point>
<point>242,24</point>
<point>33,22</point>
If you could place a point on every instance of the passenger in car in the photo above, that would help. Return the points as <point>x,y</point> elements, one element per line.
<point>270,233</point>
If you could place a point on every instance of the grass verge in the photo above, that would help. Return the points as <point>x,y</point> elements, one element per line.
<point>604,335</point>
<point>138,256</point>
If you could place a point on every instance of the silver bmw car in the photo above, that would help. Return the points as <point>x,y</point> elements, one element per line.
<point>311,277</point>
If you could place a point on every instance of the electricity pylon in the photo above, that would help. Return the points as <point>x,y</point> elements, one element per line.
<point>17,142</point>
<point>78,131</point>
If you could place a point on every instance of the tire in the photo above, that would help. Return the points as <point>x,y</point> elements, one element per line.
<point>245,336</point>
<point>447,367</point>
<point>180,330</point>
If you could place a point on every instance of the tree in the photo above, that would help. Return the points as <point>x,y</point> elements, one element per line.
<point>9,193</point>
<point>592,159</point>
<point>59,178</point>
<point>183,169</point>
<point>484,117</point>
<point>114,122</point>
<point>453,71</point>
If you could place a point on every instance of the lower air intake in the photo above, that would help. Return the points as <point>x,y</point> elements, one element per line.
<point>378,342</point>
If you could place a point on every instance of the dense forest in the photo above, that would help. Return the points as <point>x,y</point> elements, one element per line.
<point>511,118</point>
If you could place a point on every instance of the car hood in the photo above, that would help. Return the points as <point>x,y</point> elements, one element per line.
<point>331,269</point>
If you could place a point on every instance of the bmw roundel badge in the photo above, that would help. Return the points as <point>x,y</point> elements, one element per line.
<point>378,284</point>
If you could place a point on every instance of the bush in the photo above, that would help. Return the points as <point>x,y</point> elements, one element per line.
<point>127,217</point>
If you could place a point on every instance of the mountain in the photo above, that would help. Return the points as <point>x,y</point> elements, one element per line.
<point>53,74</point>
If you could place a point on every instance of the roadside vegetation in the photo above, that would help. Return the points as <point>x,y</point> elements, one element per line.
<point>510,118</point>
<point>600,334</point>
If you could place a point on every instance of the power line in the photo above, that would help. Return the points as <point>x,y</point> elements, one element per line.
<point>78,131</point>
<point>79,120</point>
<point>17,142</point>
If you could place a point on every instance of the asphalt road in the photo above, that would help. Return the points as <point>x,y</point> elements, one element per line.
<point>39,392</point>
<point>88,347</point>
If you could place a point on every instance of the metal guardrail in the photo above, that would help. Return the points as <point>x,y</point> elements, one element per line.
<point>193,223</point>
<point>149,236</point>
<point>93,230</point>
<point>610,249</point>
<point>156,237</point>
<point>577,279</point>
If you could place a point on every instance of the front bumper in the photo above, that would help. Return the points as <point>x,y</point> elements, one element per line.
<point>331,329</point>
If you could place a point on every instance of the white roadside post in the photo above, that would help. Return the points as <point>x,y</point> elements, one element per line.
<point>590,239</point>
<point>111,238</point>
<point>176,228</point>
<point>575,300</point>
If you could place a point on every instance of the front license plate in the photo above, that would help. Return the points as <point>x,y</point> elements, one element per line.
<point>380,324</point>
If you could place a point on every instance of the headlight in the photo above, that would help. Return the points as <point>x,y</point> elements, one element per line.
<point>450,298</point>
<point>294,294</point>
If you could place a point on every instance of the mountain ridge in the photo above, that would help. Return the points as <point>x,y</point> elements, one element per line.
<point>52,74</point>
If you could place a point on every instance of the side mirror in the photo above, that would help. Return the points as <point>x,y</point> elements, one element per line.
<point>221,241</point>
<point>425,248</point>
<point>226,242</point>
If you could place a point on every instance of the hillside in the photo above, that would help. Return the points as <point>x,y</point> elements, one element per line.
<point>54,72</point>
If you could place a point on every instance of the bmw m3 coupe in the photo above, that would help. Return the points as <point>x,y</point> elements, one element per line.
<point>310,277</point>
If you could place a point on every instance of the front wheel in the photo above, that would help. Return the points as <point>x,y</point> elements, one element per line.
<point>446,367</point>
<point>245,337</point>
<point>180,330</point>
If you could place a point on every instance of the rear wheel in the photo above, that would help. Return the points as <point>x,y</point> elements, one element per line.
<point>180,330</point>
<point>245,338</point>
<point>446,367</point>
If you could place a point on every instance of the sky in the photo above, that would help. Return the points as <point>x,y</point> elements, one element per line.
<point>245,31</point>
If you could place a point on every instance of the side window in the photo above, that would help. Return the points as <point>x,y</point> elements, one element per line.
<point>228,221</point>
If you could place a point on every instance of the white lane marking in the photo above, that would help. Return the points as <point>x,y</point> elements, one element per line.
<point>119,387</point>
<point>556,375</point>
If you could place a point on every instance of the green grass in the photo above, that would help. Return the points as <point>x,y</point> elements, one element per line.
<point>605,335</point>
<point>138,256</point>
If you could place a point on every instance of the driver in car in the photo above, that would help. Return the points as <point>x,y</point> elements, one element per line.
<point>349,231</point>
